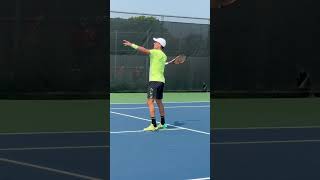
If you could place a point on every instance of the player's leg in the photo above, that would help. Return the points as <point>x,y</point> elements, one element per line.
<point>159,97</point>
<point>161,107</point>
<point>162,124</point>
<point>152,111</point>
<point>150,102</point>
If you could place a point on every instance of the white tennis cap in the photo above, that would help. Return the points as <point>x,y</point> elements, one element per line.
<point>161,41</point>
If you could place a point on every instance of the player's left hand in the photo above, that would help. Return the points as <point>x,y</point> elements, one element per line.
<point>127,43</point>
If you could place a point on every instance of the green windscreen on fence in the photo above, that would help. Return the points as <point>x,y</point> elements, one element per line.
<point>129,69</point>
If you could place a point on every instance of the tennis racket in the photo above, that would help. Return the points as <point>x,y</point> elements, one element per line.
<point>178,60</point>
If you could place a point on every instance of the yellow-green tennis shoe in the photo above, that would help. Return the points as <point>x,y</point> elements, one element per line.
<point>150,128</point>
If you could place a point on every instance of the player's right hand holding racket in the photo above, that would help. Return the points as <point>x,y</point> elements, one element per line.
<point>178,60</point>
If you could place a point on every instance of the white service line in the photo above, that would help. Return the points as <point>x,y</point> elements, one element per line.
<point>138,131</point>
<point>49,169</point>
<point>52,148</point>
<point>122,132</point>
<point>167,107</point>
<point>206,178</point>
<point>135,117</point>
<point>266,142</point>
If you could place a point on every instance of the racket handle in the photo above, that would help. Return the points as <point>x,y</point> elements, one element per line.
<point>170,61</point>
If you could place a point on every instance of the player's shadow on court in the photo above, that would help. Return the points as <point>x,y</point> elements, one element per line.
<point>181,123</point>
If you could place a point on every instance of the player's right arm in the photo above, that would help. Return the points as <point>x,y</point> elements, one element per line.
<point>138,48</point>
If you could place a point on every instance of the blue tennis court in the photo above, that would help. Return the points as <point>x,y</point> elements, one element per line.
<point>180,152</point>
<point>54,155</point>
<point>265,138</point>
<point>286,153</point>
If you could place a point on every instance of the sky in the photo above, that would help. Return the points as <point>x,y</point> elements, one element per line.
<point>188,8</point>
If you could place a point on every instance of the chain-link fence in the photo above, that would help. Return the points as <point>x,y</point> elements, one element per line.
<point>190,36</point>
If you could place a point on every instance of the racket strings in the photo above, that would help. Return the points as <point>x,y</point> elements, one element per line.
<point>180,59</point>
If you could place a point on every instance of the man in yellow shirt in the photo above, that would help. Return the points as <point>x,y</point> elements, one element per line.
<point>156,79</point>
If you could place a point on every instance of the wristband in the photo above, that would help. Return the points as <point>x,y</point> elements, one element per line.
<point>134,46</point>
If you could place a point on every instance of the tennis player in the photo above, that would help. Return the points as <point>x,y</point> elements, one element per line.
<point>156,80</point>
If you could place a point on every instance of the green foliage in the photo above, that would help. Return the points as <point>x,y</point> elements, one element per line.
<point>139,30</point>
<point>137,24</point>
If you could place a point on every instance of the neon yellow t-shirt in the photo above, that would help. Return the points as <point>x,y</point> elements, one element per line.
<point>157,65</point>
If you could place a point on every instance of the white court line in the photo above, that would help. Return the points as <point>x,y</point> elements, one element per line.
<point>54,132</point>
<point>135,117</point>
<point>266,142</point>
<point>52,148</point>
<point>206,178</point>
<point>138,131</point>
<point>49,169</point>
<point>167,107</point>
<point>169,102</point>
<point>122,132</point>
<point>253,128</point>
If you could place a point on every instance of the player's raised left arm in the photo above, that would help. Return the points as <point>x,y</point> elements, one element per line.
<point>138,48</point>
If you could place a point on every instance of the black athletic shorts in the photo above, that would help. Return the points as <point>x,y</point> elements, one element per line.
<point>155,90</point>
